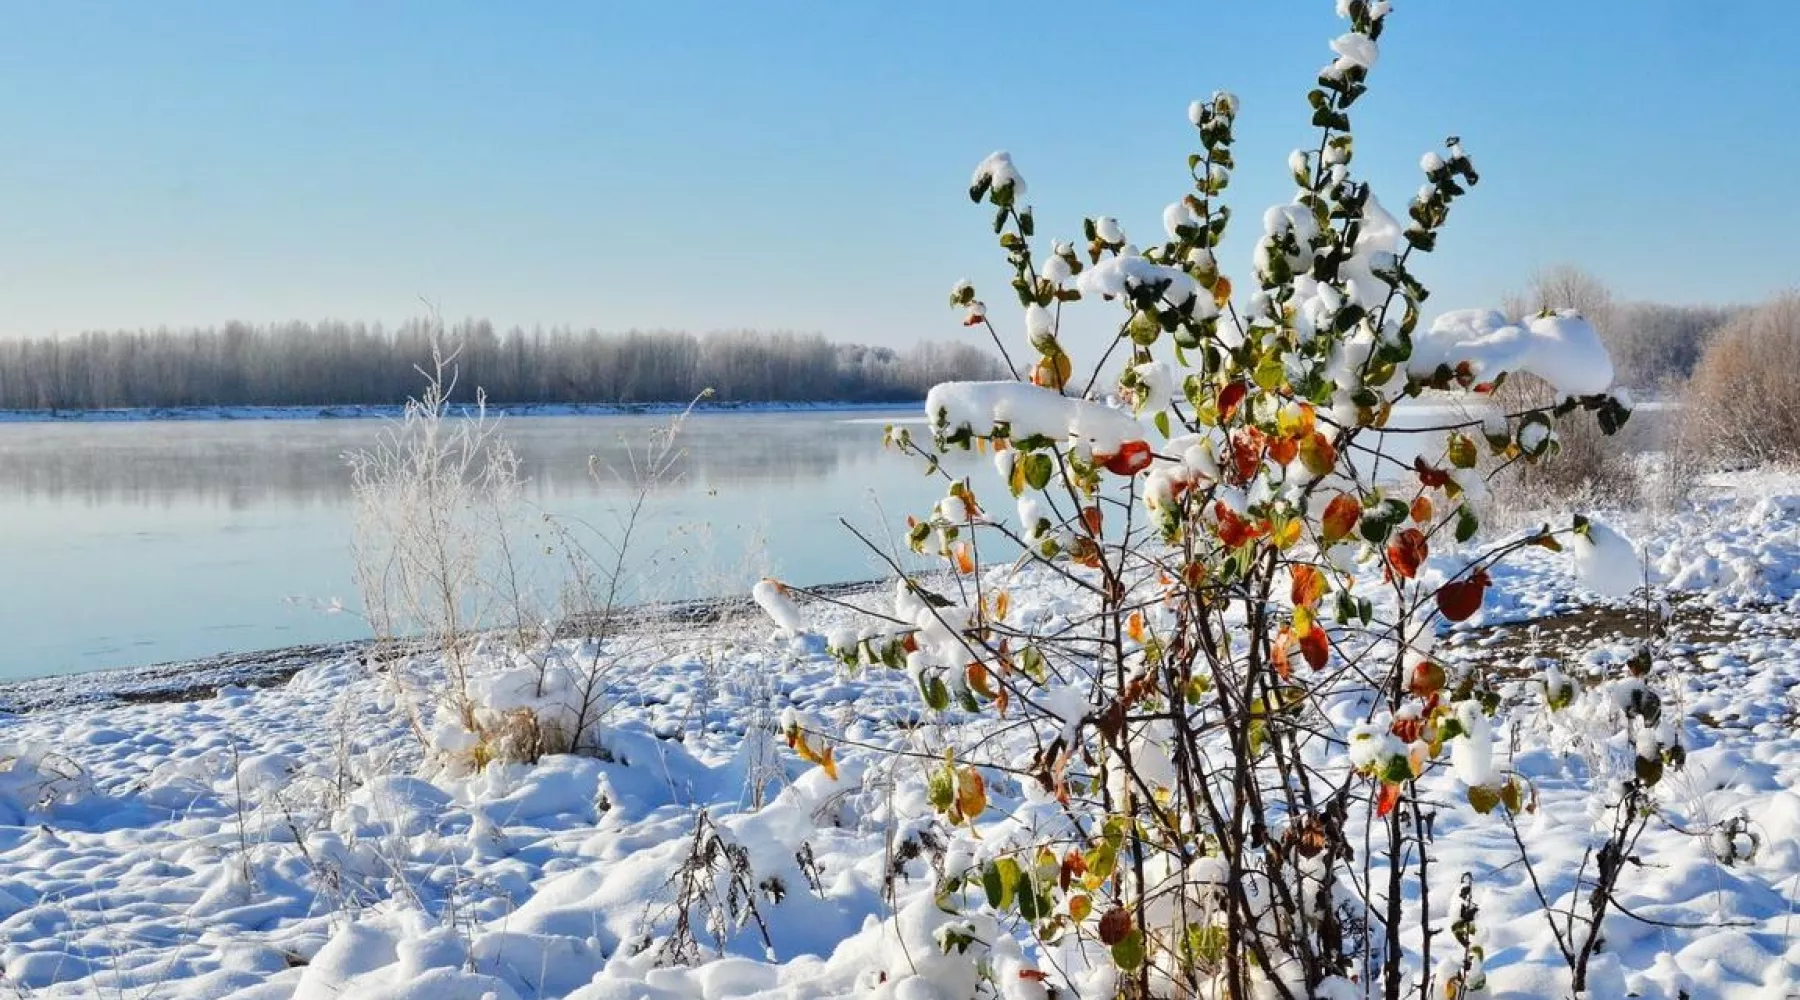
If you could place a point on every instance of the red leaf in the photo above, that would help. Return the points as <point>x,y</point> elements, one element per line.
<point>1407,551</point>
<point>1233,530</point>
<point>1427,679</point>
<point>1246,453</point>
<point>1315,645</point>
<point>1229,398</point>
<point>1133,457</point>
<point>1387,800</point>
<point>1428,474</point>
<point>1114,925</point>
<point>1457,601</point>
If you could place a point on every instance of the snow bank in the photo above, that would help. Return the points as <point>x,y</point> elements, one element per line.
<point>1562,349</point>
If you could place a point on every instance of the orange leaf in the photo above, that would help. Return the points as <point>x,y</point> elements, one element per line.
<point>1233,530</point>
<point>1134,626</point>
<point>1221,291</point>
<point>1283,450</point>
<point>1309,586</point>
<point>1341,516</point>
<point>979,680</point>
<point>1002,604</point>
<point>971,793</point>
<point>1284,668</point>
<point>965,559</point>
<point>1318,454</point>
<point>1387,800</point>
<point>1407,551</point>
<point>1034,975</point>
<point>1457,601</point>
<point>1421,509</point>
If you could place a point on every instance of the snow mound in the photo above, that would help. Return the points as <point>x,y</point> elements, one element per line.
<point>1562,349</point>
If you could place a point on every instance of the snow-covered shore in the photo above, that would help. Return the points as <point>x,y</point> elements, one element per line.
<point>289,841</point>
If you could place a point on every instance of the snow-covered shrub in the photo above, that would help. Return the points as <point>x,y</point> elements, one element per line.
<point>519,661</point>
<point>434,497</point>
<point>1255,534</point>
<point>1743,403</point>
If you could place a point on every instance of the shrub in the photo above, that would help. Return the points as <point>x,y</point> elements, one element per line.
<point>444,569</point>
<point>1743,404</point>
<point>1227,714</point>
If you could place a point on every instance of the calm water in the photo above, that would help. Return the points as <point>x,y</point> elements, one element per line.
<point>124,544</point>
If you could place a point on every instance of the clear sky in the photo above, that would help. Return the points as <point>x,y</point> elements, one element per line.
<point>803,165</point>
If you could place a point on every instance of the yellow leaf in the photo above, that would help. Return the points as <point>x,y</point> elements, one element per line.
<point>1295,420</point>
<point>1287,534</point>
<point>1002,604</point>
<point>1303,621</point>
<point>971,793</point>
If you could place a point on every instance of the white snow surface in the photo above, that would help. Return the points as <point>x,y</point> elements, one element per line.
<point>281,842</point>
<point>1562,349</point>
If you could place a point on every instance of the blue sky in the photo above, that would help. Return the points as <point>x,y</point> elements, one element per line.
<point>802,165</point>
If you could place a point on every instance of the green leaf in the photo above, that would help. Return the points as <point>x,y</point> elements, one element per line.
<point>1483,798</point>
<point>1025,894</point>
<point>1375,528</point>
<point>999,879</point>
<point>1129,954</point>
<point>1462,451</point>
<point>1161,420</point>
<point>1038,468</point>
<point>937,695</point>
<point>1466,523</point>
<point>940,789</point>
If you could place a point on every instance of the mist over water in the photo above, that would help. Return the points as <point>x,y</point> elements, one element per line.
<point>131,543</point>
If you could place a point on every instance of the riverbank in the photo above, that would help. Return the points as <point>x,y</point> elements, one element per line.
<point>298,840</point>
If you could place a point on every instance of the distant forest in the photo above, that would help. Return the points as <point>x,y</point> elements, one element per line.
<point>331,363</point>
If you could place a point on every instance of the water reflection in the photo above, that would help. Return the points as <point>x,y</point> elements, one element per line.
<point>247,464</point>
<point>142,542</point>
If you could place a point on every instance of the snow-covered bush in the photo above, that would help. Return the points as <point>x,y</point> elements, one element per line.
<point>434,496</point>
<point>517,660</point>
<point>1255,538</point>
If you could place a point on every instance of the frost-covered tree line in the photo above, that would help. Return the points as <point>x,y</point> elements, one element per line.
<point>306,364</point>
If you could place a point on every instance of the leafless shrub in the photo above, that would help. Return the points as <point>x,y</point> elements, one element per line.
<point>1743,404</point>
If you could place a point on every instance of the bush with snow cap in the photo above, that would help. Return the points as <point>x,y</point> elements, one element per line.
<point>1241,684</point>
